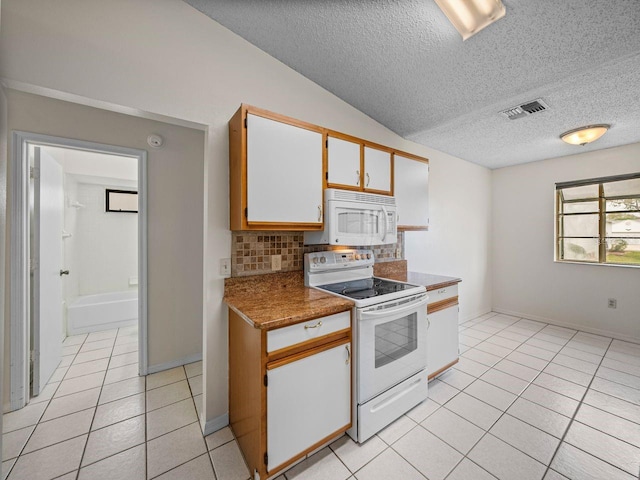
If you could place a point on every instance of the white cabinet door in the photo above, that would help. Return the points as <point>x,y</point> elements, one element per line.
<point>442,339</point>
<point>307,400</point>
<point>284,172</point>
<point>411,189</point>
<point>377,170</point>
<point>343,162</point>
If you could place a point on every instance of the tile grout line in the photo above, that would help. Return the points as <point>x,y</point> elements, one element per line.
<point>48,402</point>
<point>84,449</point>
<point>571,422</point>
<point>504,412</point>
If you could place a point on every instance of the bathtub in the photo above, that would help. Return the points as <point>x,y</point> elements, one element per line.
<point>102,311</point>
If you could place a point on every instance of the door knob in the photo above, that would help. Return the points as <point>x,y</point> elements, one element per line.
<point>64,272</point>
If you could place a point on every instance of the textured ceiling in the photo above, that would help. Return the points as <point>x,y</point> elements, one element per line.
<point>402,63</point>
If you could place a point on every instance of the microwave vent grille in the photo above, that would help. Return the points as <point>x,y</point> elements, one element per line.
<point>363,197</point>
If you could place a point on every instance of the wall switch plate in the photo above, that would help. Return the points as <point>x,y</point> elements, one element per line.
<point>276,262</point>
<point>612,303</point>
<point>225,267</point>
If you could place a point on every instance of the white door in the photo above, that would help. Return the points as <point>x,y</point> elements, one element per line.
<point>411,180</point>
<point>47,280</point>
<point>307,400</point>
<point>377,170</point>
<point>442,339</point>
<point>343,159</point>
<point>284,173</point>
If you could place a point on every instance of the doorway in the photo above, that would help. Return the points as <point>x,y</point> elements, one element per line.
<point>50,299</point>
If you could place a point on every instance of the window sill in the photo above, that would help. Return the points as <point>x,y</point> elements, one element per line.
<point>597,264</point>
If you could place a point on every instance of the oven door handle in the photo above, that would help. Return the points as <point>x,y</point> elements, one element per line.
<point>392,311</point>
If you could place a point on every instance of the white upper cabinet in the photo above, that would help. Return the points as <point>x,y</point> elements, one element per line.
<point>377,170</point>
<point>343,162</point>
<point>411,189</point>
<point>284,173</point>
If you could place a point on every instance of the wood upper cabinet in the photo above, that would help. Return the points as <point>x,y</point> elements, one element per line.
<point>344,159</point>
<point>275,172</point>
<point>354,164</point>
<point>378,170</point>
<point>411,178</point>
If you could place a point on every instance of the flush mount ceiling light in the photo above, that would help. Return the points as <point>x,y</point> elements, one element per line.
<point>471,16</point>
<point>584,135</point>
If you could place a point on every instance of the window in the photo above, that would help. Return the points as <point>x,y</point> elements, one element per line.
<point>598,220</point>
<point>122,201</point>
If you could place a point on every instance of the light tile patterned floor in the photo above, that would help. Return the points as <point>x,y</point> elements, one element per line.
<point>526,401</point>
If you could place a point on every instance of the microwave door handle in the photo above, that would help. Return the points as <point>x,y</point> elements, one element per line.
<point>386,224</point>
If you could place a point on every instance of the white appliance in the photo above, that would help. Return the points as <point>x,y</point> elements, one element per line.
<point>356,218</point>
<point>389,336</point>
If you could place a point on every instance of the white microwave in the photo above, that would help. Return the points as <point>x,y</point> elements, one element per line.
<point>356,219</point>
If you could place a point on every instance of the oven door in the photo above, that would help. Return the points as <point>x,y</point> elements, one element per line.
<point>392,344</point>
<point>351,224</point>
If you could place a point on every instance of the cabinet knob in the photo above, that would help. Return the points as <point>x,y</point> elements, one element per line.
<point>368,179</point>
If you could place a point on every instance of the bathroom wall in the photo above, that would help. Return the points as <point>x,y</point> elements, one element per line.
<point>104,245</point>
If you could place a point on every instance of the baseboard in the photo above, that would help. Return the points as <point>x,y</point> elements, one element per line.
<point>574,326</point>
<point>215,424</point>
<point>196,357</point>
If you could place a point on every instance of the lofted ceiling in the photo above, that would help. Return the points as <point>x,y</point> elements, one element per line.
<point>402,63</point>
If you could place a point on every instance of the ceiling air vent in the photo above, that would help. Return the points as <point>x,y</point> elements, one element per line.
<point>525,109</point>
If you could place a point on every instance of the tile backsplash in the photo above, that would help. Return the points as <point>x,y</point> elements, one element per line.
<point>251,251</point>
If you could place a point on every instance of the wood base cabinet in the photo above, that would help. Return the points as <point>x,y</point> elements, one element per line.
<point>442,340</point>
<point>289,388</point>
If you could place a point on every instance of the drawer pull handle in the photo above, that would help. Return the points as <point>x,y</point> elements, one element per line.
<point>428,324</point>
<point>442,291</point>
<point>348,355</point>
<point>358,177</point>
<point>368,179</point>
<point>319,324</point>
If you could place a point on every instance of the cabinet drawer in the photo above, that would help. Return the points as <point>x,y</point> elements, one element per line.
<point>305,331</point>
<point>440,294</point>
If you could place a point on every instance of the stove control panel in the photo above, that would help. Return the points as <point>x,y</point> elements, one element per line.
<point>337,259</point>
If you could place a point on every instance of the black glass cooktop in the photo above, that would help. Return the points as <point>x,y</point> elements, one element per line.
<point>367,288</point>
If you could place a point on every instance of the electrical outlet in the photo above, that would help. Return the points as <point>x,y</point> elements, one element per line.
<point>225,267</point>
<point>276,262</point>
<point>398,253</point>
<point>613,303</point>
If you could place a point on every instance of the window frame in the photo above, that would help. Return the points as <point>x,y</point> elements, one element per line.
<point>602,212</point>
<point>109,191</point>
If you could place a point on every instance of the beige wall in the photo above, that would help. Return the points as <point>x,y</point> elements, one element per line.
<point>527,282</point>
<point>164,57</point>
<point>3,222</point>
<point>175,211</point>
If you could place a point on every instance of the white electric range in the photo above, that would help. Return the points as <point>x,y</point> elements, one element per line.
<point>389,336</point>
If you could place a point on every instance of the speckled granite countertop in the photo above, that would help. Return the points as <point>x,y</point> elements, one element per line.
<point>397,270</point>
<point>279,299</point>
<point>432,282</point>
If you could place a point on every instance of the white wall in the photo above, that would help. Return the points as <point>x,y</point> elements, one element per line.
<point>458,241</point>
<point>527,282</point>
<point>174,61</point>
<point>104,244</point>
